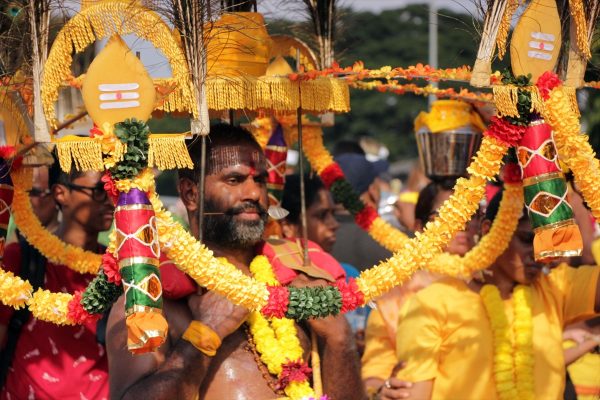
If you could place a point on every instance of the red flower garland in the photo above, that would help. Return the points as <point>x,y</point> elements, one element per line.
<point>111,268</point>
<point>277,304</point>
<point>352,297</point>
<point>109,186</point>
<point>504,131</point>
<point>331,174</point>
<point>293,371</point>
<point>77,313</point>
<point>365,217</point>
<point>546,82</point>
<point>511,173</point>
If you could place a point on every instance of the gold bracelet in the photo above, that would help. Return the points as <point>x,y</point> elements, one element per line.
<point>202,337</point>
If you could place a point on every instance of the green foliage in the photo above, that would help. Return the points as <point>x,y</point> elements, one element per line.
<point>100,294</point>
<point>134,134</point>
<point>524,97</point>
<point>313,302</point>
<point>342,192</point>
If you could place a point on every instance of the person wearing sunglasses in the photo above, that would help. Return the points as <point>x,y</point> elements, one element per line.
<point>43,360</point>
<point>42,201</point>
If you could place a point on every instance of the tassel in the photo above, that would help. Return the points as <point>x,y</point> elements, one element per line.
<point>85,153</point>
<point>504,27</point>
<point>506,98</point>
<point>168,151</point>
<point>581,30</point>
<point>279,94</point>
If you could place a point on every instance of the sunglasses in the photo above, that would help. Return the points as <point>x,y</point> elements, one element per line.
<point>97,193</point>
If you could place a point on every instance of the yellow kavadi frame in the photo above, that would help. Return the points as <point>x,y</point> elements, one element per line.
<point>104,20</point>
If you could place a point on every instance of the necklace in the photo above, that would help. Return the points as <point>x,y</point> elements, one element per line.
<point>276,340</point>
<point>513,350</point>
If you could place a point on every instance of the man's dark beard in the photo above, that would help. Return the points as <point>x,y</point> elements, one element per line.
<point>224,231</point>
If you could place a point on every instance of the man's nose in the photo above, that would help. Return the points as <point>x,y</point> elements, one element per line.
<point>252,189</point>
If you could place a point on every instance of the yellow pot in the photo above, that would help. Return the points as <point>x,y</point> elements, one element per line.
<point>238,45</point>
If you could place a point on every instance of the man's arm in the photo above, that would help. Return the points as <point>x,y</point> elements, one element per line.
<point>177,369</point>
<point>340,359</point>
<point>417,391</point>
<point>174,371</point>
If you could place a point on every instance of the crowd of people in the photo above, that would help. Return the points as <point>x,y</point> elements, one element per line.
<point>432,338</point>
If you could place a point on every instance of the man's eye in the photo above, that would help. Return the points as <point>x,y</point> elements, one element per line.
<point>234,180</point>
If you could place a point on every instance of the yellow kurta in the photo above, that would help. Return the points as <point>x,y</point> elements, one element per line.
<point>444,334</point>
<point>585,374</point>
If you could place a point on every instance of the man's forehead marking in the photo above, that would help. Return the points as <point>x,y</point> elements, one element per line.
<point>223,157</point>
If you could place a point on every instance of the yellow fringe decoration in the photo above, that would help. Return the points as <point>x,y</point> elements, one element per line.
<point>537,102</point>
<point>9,106</point>
<point>85,153</point>
<point>168,151</point>
<point>504,27</point>
<point>505,98</point>
<point>278,94</point>
<point>571,94</point>
<point>103,20</point>
<point>578,16</point>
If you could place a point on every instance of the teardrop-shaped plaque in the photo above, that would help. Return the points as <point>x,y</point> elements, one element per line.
<point>536,40</point>
<point>117,86</point>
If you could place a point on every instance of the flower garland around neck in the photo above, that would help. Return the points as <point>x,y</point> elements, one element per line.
<point>277,341</point>
<point>562,113</point>
<point>513,349</point>
<point>492,244</point>
<point>48,244</point>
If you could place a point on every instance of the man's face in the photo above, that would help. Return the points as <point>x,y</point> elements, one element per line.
<point>42,202</point>
<point>517,262</point>
<point>236,198</point>
<point>85,203</point>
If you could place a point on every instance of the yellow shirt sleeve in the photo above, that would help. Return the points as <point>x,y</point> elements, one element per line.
<point>419,339</point>
<point>379,357</point>
<point>575,290</point>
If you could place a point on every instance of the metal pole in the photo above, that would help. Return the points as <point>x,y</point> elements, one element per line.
<point>201,187</point>
<point>303,220</point>
<point>433,41</point>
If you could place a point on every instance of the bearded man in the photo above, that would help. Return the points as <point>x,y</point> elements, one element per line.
<point>186,366</point>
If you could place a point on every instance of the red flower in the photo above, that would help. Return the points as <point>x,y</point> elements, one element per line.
<point>330,174</point>
<point>278,302</point>
<point>77,313</point>
<point>109,186</point>
<point>352,297</point>
<point>293,371</point>
<point>111,268</point>
<point>95,131</point>
<point>511,173</point>
<point>546,82</point>
<point>504,131</point>
<point>7,152</point>
<point>365,217</point>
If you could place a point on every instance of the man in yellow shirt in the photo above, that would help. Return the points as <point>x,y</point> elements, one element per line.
<point>445,332</point>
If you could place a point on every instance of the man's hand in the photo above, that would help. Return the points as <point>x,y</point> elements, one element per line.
<point>394,388</point>
<point>329,328</point>
<point>218,313</point>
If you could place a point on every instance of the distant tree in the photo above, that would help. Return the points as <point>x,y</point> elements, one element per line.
<point>396,38</point>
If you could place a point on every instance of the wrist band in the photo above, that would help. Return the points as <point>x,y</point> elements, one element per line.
<point>202,337</point>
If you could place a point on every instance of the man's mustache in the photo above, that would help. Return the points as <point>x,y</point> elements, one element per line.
<point>248,206</point>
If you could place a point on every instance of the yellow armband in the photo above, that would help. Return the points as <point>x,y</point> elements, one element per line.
<point>202,337</point>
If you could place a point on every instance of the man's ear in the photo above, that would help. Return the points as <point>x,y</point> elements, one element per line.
<point>188,192</point>
<point>486,224</point>
<point>61,194</point>
<point>288,229</point>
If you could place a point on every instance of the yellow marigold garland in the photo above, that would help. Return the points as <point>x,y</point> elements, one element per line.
<point>54,249</point>
<point>491,245</point>
<point>513,362</point>
<point>14,291</point>
<point>573,146</point>
<point>276,339</point>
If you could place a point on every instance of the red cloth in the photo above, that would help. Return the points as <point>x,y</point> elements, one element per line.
<point>176,284</point>
<point>319,258</point>
<point>50,361</point>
